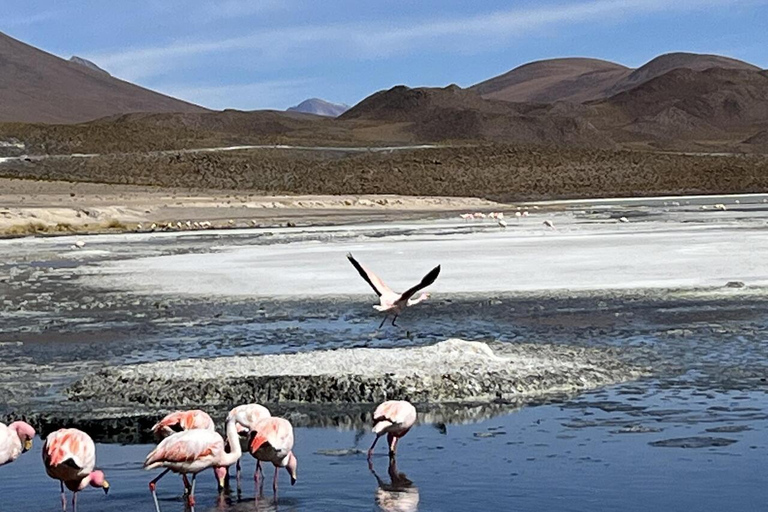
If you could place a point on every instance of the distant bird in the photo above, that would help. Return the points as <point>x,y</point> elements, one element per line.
<point>69,456</point>
<point>525,213</point>
<point>245,416</point>
<point>502,223</point>
<point>720,206</point>
<point>391,302</point>
<point>549,224</point>
<point>182,420</point>
<point>79,244</point>
<point>272,441</point>
<point>623,219</point>
<point>518,214</point>
<point>394,418</point>
<point>15,439</point>
<point>466,216</point>
<point>191,452</point>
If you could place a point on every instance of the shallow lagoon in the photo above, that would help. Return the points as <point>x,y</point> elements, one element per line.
<point>67,312</point>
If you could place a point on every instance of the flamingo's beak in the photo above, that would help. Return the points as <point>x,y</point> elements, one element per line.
<point>27,445</point>
<point>105,486</point>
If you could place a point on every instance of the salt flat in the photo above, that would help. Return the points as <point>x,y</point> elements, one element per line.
<point>682,247</point>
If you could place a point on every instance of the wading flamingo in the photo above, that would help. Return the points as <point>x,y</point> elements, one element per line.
<point>245,416</point>
<point>180,421</point>
<point>393,303</point>
<point>193,451</point>
<point>272,441</point>
<point>15,439</point>
<point>69,456</point>
<point>394,418</point>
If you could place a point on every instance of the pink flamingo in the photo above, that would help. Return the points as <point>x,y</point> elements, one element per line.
<point>391,302</point>
<point>272,441</point>
<point>193,451</point>
<point>394,418</point>
<point>182,420</point>
<point>15,439</point>
<point>69,456</point>
<point>245,416</point>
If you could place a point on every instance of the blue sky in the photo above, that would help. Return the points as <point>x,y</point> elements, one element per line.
<point>254,54</point>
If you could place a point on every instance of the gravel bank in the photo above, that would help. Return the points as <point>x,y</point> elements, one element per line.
<point>451,371</point>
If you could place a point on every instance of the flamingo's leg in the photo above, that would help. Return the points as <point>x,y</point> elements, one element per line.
<point>393,321</point>
<point>370,450</point>
<point>186,484</point>
<point>392,444</point>
<point>382,322</point>
<point>153,486</point>
<point>274,482</point>
<point>191,498</point>
<point>63,498</point>
<point>74,501</point>
<point>239,487</point>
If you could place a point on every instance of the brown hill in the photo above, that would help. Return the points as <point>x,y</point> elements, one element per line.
<point>580,80</point>
<point>680,60</point>
<point>714,104</point>
<point>36,86</point>
<point>546,81</point>
<point>452,113</point>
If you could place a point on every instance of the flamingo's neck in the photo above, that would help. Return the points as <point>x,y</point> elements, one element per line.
<point>235,452</point>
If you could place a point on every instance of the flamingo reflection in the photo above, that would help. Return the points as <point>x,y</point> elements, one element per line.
<point>399,495</point>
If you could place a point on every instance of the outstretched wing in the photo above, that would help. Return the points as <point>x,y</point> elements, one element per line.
<point>372,279</point>
<point>426,281</point>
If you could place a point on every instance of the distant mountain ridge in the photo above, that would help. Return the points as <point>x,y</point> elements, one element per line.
<point>580,79</point>
<point>320,107</point>
<point>37,87</point>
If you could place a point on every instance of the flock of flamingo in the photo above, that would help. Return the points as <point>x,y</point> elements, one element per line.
<point>189,443</point>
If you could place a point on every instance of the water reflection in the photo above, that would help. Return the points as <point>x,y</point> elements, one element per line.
<point>117,425</point>
<point>399,495</point>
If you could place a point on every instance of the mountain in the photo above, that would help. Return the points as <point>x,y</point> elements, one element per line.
<point>452,113</point>
<point>36,86</point>
<point>320,107</point>
<point>580,80</point>
<point>88,64</point>
<point>715,104</point>
<point>546,81</point>
<point>680,60</point>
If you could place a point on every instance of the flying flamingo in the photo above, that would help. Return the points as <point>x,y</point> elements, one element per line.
<point>392,302</point>
<point>193,451</point>
<point>272,441</point>
<point>394,418</point>
<point>69,456</point>
<point>15,439</point>
<point>245,416</point>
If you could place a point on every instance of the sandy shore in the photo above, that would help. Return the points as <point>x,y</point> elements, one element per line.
<point>29,207</point>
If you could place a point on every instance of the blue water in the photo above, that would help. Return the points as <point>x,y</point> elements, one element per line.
<point>531,460</point>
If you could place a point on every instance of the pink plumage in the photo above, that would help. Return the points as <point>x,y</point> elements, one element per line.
<point>182,420</point>
<point>394,418</point>
<point>69,456</point>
